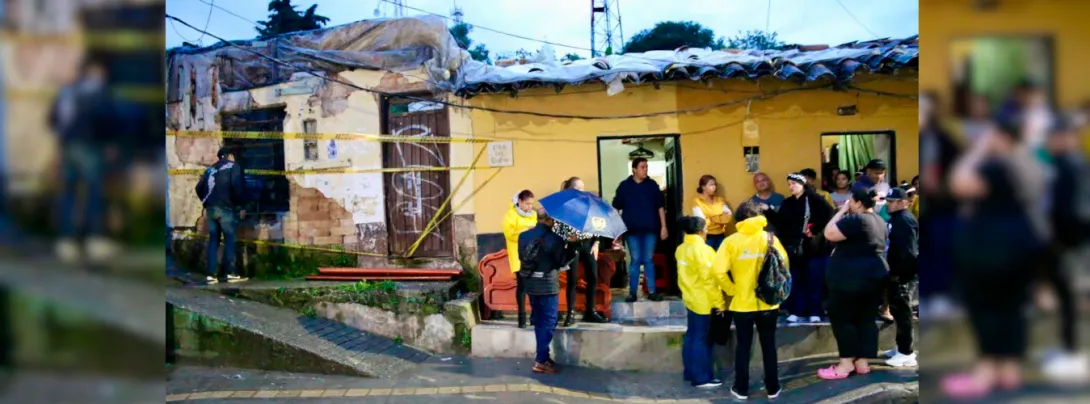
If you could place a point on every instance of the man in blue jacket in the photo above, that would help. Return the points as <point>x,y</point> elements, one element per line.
<point>643,210</point>
<point>222,190</point>
<point>543,254</point>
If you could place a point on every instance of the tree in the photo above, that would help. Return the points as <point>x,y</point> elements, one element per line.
<point>460,32</point>
<point>284,18</point>
<point>756,39</point>
<point>670,35</point>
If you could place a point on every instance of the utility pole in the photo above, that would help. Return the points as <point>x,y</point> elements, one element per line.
<point>606,35</point>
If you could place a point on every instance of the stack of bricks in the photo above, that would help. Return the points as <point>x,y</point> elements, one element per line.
<point>317,220</point>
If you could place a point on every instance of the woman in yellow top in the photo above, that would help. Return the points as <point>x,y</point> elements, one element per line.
<point>519,218</point>
<point>714,210</point>
<point>736,266</point>
<point>703,299</point>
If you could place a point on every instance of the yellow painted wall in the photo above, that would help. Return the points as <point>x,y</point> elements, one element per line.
<point>547,151</point>
<point>790,128</point>
<point>942,21</point>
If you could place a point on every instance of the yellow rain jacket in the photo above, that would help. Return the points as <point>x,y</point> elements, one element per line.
<point>741,255</point>
<point>513,225</point>
<point>694,276</point>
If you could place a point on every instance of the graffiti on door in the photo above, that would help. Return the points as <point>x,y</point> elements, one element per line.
<point>414,197</point>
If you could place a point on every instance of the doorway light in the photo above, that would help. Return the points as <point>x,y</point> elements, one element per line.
<point>641,152</point>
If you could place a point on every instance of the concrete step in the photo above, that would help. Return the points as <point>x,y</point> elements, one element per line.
<point>623,312</point>
<point>656,347</point>
<point>213,329</point>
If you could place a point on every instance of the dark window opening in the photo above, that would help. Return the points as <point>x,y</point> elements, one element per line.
<point>310,146</point>
<point>265,193</point>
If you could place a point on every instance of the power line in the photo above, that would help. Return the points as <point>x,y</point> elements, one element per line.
<point>768,16</point>
<point>255,23</point>
<point>208,19</point>
<point>873,35</point>
<point>512,112</point>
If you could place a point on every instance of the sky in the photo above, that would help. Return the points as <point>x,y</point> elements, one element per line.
<point>567,22</point>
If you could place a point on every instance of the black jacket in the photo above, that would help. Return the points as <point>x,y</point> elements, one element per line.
<point>543,253</point>
<point>788,222</point>
<point>222,186</point>
<point>90,118</point>
<point>904,245</point>
<point>1070,188</point>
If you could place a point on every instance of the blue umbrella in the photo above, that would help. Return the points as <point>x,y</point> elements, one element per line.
<point>584,212</point>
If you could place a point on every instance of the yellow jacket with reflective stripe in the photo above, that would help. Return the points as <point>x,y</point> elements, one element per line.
<point>741,255</point>
<point>698,286</point>
<point>513,225</point>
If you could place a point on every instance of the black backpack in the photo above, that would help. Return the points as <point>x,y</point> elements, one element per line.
<point>774,280</point>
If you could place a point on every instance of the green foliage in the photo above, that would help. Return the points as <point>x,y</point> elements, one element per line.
<point>460,32</point>
<point>309,312</point>
<point>670,35</point>
<point>284,18</point>
<point>756,40</point>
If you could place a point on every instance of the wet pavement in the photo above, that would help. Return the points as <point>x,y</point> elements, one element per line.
<point>458,379</point>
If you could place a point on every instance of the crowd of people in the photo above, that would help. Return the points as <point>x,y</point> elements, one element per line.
<point>850,250</point>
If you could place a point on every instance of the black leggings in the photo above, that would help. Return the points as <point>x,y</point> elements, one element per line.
<point>520,295</point>
<point>852,316</point>
<point>900,307</point>
<point>590,273</point>
<point>1056,276</point>
<point>994,304</point>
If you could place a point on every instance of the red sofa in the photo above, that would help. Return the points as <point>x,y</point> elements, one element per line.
<point>498,285</point>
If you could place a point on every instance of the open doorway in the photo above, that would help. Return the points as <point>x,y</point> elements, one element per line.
<point>663,154</point>
<point>849,152</point>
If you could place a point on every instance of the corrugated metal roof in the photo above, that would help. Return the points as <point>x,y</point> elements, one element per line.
<point>797,63</point>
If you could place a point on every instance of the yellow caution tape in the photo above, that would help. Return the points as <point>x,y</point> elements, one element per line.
<point>199,171</point>
<point>433,224</point>
<point>321,136</point>
<point>286,245</point>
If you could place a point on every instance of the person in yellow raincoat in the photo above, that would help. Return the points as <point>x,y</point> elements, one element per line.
<point>736,266</point>
<point>519,218</point>
<point>702,298</point>
<point>712,207</point>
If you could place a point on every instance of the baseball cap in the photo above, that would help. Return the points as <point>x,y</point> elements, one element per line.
<point>896,194</point>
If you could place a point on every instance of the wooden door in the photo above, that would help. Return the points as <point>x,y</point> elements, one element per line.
<point>414,197</point>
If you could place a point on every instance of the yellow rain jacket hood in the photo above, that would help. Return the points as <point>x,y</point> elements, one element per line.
<point>513,225</point>
<point>741,255</point>
<point>698,286</point>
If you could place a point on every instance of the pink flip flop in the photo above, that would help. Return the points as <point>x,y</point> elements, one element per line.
<point>830,373</point>
<point>964,386</point>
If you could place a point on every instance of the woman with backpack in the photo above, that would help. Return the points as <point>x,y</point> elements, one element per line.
<point>739,266</point>
<point>855,279</point>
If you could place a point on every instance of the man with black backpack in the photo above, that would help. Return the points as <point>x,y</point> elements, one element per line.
<point>222,190</point>
<point>751,266</point>
<point>542,254</point>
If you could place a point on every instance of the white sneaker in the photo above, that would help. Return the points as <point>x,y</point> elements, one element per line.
<point>713,383</point>
<point>100,249</point>
<point>793,319</point>
<point>901,360</point>
<point>890,353</point>
<point>236,278</point>
<point>776,394</point>
<point>211,280</point>
<point>738,396</point>
<point>68,251</point>
<point>1067,369</point>
<point>815,319</point>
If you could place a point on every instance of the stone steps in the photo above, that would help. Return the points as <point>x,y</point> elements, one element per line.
<point>213,329</point>
<point>644,336</point>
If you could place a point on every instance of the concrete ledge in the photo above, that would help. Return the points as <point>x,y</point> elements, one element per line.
<point>642,348</point>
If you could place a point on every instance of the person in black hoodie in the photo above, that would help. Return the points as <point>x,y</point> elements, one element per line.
<point>902,255</point>
<point>543,254</point>
<point>222,190</point>
<point>798,224</point>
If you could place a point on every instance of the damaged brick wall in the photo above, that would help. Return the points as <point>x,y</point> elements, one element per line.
<point>317,220</point>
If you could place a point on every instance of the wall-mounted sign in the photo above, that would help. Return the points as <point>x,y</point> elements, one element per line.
<point>501,154</point>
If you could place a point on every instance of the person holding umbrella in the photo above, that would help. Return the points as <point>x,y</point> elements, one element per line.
<point>586,247</point>
<point>543,254</point>
<point>640,201</point>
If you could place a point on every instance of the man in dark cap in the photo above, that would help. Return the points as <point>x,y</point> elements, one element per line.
<point>902,255</point>
<point>222,191</point>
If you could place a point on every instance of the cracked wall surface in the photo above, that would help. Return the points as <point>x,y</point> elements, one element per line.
<point>325,209</point>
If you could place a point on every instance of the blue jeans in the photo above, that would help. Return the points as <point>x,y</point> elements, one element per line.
<point>641,246</point>
<point>82,164</point>
<point>221,221</point>
<point>696,349</point>
<point>545,311</point>
<point>715,240</point>
<point>807,286</point>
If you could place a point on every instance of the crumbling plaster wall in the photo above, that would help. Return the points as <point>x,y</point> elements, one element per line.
<point>326,209</point>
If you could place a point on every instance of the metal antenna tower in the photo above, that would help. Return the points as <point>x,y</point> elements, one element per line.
<point>456,13</point>
<point>605,27</point>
